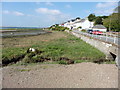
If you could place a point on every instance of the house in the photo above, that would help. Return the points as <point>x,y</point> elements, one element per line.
<point>84,24</point>
<point>100,28</point>
<point>69,24</point>
<point>75,23</point>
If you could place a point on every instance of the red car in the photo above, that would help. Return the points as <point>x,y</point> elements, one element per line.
<point>97,32</point>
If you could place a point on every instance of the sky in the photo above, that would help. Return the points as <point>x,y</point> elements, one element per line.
<point>45,14</point>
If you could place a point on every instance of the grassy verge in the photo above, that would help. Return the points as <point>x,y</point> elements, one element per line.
<point>60,47</point>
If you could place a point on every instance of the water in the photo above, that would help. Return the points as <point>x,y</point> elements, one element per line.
<point>19,27</point>
<point>21,33</point>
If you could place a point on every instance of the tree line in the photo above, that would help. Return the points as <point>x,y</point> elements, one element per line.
<point>111,22</point>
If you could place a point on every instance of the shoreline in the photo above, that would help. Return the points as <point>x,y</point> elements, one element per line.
<point>7,30</point>
<point>16,33</point>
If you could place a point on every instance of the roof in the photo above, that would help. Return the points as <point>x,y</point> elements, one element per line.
<point>99,27</point>
<point>80,21</point>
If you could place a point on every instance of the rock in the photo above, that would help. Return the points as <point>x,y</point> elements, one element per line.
<point>32,49</point>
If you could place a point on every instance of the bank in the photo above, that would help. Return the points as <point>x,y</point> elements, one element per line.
<point>58,46</point>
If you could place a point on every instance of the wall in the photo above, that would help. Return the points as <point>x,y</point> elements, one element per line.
<point>105,47</point>
<point>85,25</point>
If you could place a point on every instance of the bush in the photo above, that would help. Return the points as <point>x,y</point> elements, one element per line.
<point>32,58</point>
<point>59,28</point>
<point>83,30</point>
<point>79,27</point>
<point>63,62</point>
<point>26,59</point>
<point>37,58</point>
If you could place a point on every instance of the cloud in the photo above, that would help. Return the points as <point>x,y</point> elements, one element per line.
<point>68,6</point>
<point>104,12</point>
<point>13,13</point>
<point>48,11</point>
<point>105,5</point>
<point>52,15</point>
<point>59,17</point>
<point>18,13</point>
<point>105,8</point>
<point>49,3</point>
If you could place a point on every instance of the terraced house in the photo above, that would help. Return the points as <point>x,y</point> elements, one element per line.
<point>79,23</point>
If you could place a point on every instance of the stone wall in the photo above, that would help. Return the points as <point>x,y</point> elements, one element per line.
<point>104,47</point>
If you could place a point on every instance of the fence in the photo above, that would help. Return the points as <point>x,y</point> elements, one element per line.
<point>108,37</point>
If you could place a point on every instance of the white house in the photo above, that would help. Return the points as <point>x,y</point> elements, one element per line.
<point>100,28</point>
<point>69,24</point>
<point>83,23</point>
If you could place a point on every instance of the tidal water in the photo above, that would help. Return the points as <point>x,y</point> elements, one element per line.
<point>12,33</point>
<point>19,27</point>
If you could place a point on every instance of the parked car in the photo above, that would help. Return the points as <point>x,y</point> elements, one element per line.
<point>90,31</point>
<point>97,32</point>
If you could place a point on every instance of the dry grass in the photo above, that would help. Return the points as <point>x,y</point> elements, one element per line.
<point>30,40</point>
<point>54,46</point>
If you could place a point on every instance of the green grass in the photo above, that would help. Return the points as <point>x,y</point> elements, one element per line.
<point>55,46</point>
<point>11,52</point>
<point>109,62</point>
<point>80,61</point>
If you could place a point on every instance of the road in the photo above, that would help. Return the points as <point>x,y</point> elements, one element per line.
<point>114,40</point>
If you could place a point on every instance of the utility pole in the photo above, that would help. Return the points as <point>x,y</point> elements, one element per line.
<point>110,24</point>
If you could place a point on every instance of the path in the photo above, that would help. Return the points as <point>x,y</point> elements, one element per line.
<point>82,75</point>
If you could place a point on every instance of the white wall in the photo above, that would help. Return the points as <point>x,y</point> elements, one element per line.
<point>67,25</point>
<point>85,25</point>
<point>103,30</point>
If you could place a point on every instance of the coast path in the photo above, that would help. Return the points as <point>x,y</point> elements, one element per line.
<point>82,75</point>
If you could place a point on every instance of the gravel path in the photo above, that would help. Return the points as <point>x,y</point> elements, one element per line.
<point>82,75</point>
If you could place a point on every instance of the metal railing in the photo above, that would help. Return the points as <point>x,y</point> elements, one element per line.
<point>107,37</point>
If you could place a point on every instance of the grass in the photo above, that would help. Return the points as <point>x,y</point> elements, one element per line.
<point>80,61</point>
<point>22,70</point>
<point>109,62</point>
<point>54,46</point>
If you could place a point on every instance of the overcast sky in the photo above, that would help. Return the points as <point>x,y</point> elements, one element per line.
<point>44,14</point>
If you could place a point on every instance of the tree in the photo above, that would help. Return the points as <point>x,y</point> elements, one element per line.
<point>112,22</point>
<point>73,20</point>
<point>77,18</point>
<point>79,27</point>
<point>98,20</point>
<point>104,17</point>
<point>91,17</point>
